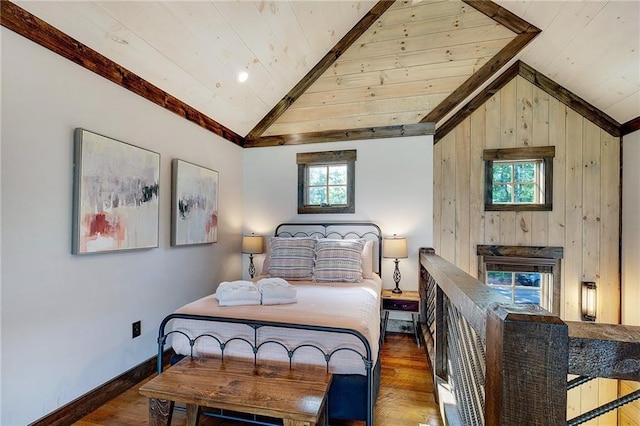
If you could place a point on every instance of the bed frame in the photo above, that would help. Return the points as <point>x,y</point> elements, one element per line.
<point>344,386</point>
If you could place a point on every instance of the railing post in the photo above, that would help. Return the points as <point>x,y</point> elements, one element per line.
<point>440,366</point>
<point>526,368</point>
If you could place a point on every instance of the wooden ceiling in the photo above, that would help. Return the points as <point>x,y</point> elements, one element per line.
<point>399,70</point>
<point>318,70</point>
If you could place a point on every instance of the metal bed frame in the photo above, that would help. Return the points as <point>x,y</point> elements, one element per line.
<point>324,230</point>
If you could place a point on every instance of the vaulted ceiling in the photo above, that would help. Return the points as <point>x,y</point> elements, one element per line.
<point>336,70</point>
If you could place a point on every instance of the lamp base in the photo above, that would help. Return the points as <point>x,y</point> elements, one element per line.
<point>396,278</point>
<point>252,268</point>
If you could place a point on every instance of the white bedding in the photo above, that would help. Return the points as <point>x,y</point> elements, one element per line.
<point>346,305</point>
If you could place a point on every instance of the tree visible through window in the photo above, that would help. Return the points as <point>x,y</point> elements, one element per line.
<point>327,185</point>
<point>519,179</point>
<point>517,182</point>
<point>326,182</point>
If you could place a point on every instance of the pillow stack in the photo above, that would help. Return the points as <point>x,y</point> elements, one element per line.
<point>320,260</point>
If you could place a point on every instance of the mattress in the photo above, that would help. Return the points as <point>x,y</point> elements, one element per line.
<point>354,306</point>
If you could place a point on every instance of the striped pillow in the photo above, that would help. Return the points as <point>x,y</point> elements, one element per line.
<point>292,258</point>
<point>338,260</point>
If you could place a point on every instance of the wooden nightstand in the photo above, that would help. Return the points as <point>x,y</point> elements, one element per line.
<point>407,301</point>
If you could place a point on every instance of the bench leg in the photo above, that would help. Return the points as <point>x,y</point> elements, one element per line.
<point>160,412</point>
<point>193,414</point>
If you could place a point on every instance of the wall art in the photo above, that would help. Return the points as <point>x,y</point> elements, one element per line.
<point>194,201</point>
<point>115,195</point>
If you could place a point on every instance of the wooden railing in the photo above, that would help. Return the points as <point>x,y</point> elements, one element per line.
<point>496,363</point>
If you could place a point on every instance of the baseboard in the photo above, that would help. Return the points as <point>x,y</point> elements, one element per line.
<point>85,404</point>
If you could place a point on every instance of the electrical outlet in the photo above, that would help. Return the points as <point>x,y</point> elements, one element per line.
<point>136,329</point>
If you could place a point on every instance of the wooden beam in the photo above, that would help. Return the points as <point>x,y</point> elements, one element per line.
<point>520,251</point>
<point>35,29</point>
<point>419,129</point>
<point>604,350</point>
<point>526,32</point>
<point>631,126</point>
<point>477,102</point>
<point>324,64</point>
<point>526,367</point>
<point>571,100</point>
<point>502,16</point>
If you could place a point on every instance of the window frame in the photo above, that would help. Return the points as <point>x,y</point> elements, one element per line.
<point>524,259</point>
<point>325,158</point>
<point>544,154</point>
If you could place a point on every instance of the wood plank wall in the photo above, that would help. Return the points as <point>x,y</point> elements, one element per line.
<point>586,204</point>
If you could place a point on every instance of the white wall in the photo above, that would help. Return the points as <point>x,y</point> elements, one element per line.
<point>66,320</point>
<point>394,186</point>
<point>631,229</point>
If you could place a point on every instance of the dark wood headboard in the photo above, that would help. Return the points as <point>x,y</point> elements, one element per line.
<point>343,230</point>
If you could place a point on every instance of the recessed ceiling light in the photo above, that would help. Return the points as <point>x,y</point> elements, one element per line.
<point>243,76</point>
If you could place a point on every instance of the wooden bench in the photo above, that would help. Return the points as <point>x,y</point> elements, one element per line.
<point>298,395</point>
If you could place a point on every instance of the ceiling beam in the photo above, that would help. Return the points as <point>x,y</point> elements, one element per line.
<point>477,101</point>
<point>543,82</point>
<point>319,69</point>
<point>525,33</point>
<point>406,130</point>
<point>35,29</point>
<point>570,99</point>
<point>631,126</point>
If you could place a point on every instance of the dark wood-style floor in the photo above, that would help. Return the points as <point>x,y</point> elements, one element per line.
<point>405,398</point>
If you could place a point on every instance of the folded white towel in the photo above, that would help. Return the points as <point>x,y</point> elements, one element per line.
<point>276,291</point>
<point>234,293</point>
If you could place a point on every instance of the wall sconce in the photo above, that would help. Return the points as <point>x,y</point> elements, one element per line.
<point>252,244</point>
<point>395,247</point>
<point>589,300</point>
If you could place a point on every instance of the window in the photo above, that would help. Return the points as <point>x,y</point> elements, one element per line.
<point>519,179</point>
<point>517,182</point>
<point>523,274</point>
<point>326,182</point>
<point>523,287</point>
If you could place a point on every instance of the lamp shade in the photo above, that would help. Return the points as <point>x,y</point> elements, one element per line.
<point>394,247</point>
<point>253,244</point>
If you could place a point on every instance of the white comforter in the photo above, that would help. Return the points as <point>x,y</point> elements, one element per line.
<point>347,305</point>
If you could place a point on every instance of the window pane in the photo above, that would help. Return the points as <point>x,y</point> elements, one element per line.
<point>498,278</point>
<point>337,195</point>
<point>506,292</point>
<point>501,193</point>
<point>525,193</point>
<point>318,175</point>
<point>317,196</point>
<point>526,295</point>
<point>525,172</point>
<point>338,175</point>
<point>501,173</point>
<point>528,279</point>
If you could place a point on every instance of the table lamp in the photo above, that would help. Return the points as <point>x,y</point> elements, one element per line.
<point>395,247</point>
<point>252,244</point>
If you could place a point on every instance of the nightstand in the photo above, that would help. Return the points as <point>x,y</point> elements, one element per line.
<point>407,301</point>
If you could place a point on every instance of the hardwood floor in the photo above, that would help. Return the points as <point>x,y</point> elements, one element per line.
<point>405,398</point>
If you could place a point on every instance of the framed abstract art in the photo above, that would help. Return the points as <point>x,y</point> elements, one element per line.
<point>115,195</point>
<point>194,204</point>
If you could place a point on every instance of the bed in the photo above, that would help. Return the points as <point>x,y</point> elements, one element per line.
<point>335,321</point>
